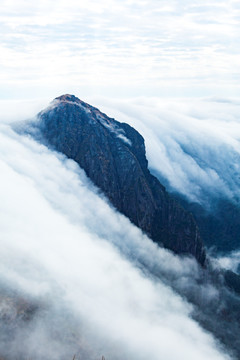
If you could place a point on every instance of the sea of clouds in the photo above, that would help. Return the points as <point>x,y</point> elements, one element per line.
<point>99,285</point>
<point>192,144</point>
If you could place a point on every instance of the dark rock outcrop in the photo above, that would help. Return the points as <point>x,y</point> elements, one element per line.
<point>113,156</point>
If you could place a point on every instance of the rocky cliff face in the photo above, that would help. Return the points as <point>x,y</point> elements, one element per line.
<point>113,156</point>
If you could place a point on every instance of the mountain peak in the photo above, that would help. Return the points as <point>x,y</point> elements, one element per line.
<point>68,97</point>
<point>113,157</point>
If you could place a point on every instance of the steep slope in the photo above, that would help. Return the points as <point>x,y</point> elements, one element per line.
<point>113,156</point>
<point>198,141</point>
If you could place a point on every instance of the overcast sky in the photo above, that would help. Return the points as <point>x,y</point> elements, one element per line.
<point>119,48</point>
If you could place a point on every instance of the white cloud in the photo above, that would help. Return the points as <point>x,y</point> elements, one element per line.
<point>120,47</point>
<point>60,244</point>
<point>230,261</point>
<point>194,145</point>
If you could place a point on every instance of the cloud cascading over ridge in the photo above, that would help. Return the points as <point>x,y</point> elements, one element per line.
<point>60,246</point>
<point>193,145</point>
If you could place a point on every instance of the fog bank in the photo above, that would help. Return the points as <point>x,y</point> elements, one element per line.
<point>65,250</point>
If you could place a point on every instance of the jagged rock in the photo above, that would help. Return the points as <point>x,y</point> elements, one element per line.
<point>113,156</point>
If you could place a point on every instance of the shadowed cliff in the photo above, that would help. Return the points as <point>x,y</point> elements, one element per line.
<point>113,156</point>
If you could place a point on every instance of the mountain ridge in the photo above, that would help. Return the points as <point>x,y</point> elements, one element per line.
<point>113,156</point>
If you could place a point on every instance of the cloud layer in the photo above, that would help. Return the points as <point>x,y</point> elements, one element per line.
<point>107,47</point>
<point>65,248</point>
<point>192,145</point>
